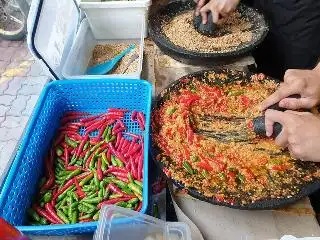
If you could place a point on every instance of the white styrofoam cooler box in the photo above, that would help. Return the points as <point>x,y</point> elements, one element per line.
<point>82,48</point>
<point>62,42</point>
<point>125,15</point>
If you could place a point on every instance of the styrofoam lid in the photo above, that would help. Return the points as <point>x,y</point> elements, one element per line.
<point>52,25</point>
<point>118,223</point>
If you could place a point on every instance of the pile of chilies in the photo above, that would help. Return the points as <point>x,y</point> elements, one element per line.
<point>83,173</point>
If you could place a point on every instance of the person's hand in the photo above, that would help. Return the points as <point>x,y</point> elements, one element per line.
<point>306,83</point>
<point>300,133</point>
<point>217,7</point>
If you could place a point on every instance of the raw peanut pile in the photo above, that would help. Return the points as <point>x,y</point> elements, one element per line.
<point>84,172</point>
<point>102,53</point>
<point>181,32</point>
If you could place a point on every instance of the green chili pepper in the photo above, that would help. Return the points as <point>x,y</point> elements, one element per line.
<point>104,134</point>
<point>111,139</point>
<point>104,161</point>
<point>222,176</point>
<point>113,161</point>
<point>74,217</point>
<point>100,193</point>
<point>106,194</point>
<point>64,194</point>
<point>43,221</point>
<point>47,197</point>
<point>92,200</point>
<point>130,177</point>
<point>102,184</point>
<point>188,167</point>
<point>93,195</point>
<point>171,111</point>
<point>109,180</point>
<point>205,174</point>
<point>138,183</point>
<point>33,215</point>
<point>112,196</point>
<point>75,196</point>
<point>127,190</point>
<point>65,210</point>
<point>96,147</point>
<point>129,205</point>
<point>63,217</point>
<point>119,183</point>
<point>121,204</point>
<point>240,177</point>
<point>35,224</point>
<point>133,201</point>
<point>119,163</point>
<point>59,151</point>
<point>89,215</point>
<point>135,188</point>
<point>235,92</point>
<point>96,180</point>
<point>73,174</point>
<point>61,203</point>
<point>85,180</point>
<point>70,142</point>
<point>195,158</point>
<point>96,216</point>
<point>74,159</point>
<point>87,155</point>
<point>86,145</point>
<point>42,204</point>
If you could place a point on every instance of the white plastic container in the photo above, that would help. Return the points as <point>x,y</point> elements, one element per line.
<point>123,15</point>
<point>81,51</point>
<point>118,223</point>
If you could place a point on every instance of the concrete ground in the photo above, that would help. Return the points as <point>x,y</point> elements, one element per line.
<point>21,81</point>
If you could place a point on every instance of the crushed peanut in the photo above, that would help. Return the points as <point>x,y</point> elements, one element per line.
<point>102,53</point>
<point>181,32</point>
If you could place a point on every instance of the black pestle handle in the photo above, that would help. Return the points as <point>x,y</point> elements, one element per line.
<point>259,126</point>
<point>205,29</point>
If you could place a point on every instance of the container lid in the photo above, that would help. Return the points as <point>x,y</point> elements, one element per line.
<point>52,25</point>
<point>118,223</point>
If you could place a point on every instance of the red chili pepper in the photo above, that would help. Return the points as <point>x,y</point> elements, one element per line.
<point>125,145</point>
<point>86,220</point>
<point>52,212</point>
<point>245,100</point>
<point>133,116</point>
<point>89,119</point>
<point>58,140</point>
<point>116,153</point>
<point>128,166</point>
<point>115,132</point>
<point>134,136</point>
<point>205,166</point>
<point>279,168</point>
<point>83,153</point>
<point>139,207</point>
<point>133,169</point>
<point>140,167</point>
<point>99,170</point>
<point>141,120</point>
<point>90,159</point>
<point>128,148</point>
<point>72,168</point>
<point>83,142</point>
<point>133,151</point>
<point>80,193</point>
<point>109,155</point>
<point>121,141</point>
<point>53,201</point>
<point>114,201</point>
<point>116,169</point>
<point>70,128</point>
<point>250,124</point>
<point>120,174</point>
<point>119,136</point>
<point>45,214</point>
<point>123,179</point>
<point>94,126</point>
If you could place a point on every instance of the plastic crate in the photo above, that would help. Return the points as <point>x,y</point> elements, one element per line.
<point>94,96</point>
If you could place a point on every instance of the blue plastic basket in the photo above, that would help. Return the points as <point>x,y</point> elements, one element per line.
<point>94,96</point>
